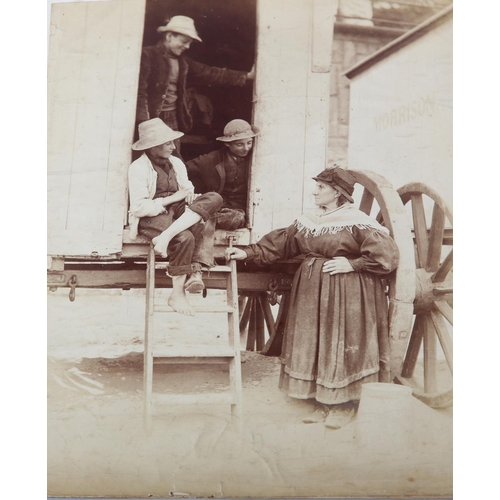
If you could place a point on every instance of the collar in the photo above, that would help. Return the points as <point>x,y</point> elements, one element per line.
<point>347,216</point>
<point>324,213</point>
<point>236,159</point>
<point>164,52</point>
<point>168,166</point>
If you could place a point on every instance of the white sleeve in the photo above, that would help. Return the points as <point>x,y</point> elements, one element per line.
<point>181,173</point>
<point>141,205</point>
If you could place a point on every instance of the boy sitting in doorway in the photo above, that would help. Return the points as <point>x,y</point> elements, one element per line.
<point>165,209</point>
<point>226,172</point>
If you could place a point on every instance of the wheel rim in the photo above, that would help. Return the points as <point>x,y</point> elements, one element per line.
<point>433,312</point>
<point>402,283</point>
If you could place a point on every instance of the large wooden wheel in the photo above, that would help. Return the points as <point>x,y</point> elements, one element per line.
<point>433,313</point>
<point>378,195</point>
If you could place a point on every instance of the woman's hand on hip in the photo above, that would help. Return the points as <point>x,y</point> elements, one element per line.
<point>337,265</point>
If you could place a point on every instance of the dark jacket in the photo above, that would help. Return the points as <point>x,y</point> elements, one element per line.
<point>153,82</point>
<point>207,172</point>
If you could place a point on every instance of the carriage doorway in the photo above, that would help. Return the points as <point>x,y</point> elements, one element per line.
<point>228,31</point>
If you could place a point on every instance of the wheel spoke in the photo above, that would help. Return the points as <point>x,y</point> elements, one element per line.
<point>259,323</point>
<point>245,317</point>
<point>274,343</point>
<point>430,356</point>
<point>420,226</point>
<point>413,348</point>
<point>436,238</point>
<point>444,308</point>
<point>444,337</point>
<point>366,202</point>
<point>268,316</point>
<point>252,327</point>
<point>444,269</point>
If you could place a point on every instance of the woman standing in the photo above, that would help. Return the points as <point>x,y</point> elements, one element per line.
<point>336,336</point>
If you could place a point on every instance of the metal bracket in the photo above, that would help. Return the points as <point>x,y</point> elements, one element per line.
<point>72,286</point>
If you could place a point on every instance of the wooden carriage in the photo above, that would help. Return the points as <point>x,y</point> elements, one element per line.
<point>94,61</point>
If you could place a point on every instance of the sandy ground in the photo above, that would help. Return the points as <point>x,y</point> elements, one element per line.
<point>97,445</point>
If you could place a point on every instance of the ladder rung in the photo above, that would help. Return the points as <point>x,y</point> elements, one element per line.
<point>194,351</point>
<point>195,399</point>
<point>219,269</point>
<point>193,360</point>
<point>215,269</point>
<point>198,308</point>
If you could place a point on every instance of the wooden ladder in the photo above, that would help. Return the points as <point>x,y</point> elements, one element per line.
<point>226,354</point>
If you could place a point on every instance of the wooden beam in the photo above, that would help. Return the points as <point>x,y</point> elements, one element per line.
<point>136,278</point>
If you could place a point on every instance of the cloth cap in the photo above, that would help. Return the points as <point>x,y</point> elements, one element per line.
<point>339,179</point>
<point>238,129</point>
<point>181,24</point>
<point>153,133</point>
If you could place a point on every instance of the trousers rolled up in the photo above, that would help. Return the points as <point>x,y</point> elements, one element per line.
<point>193,249</point>
<point>231,219</point>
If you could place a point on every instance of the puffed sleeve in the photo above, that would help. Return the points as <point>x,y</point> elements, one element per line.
<point>379,252</point>
<point>279,244</point>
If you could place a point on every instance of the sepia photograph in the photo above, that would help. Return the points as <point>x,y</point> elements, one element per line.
<point>250,249</point>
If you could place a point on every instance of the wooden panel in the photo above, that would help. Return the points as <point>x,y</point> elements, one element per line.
<point>316,133</point>
<point>324,13</point>
<point>291,111</point>
<point>92,87</point>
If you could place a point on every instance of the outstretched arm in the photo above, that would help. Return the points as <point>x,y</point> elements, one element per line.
<point>203,74</point>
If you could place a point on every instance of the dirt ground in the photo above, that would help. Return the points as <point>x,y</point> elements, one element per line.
<point>97,444</point>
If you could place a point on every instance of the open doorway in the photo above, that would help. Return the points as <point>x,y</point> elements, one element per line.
<point>228,31</point>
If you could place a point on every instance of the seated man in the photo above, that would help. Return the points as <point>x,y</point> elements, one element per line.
<point>164,208</point>
<point>226,172</point>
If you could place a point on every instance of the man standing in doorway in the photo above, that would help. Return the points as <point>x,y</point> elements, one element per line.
<point>225,171</point>
<point>164,70</point>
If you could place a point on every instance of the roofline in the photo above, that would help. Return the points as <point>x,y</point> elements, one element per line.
<point>400,42</point>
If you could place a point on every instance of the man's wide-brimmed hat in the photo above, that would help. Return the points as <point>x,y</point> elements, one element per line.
<point>339,179</point>
<point>238,129</point>
<point>181,24</point>
<point>153,133</point>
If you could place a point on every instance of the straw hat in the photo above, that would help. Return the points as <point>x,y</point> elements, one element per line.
<point>238,129</point>
<point>153,133</point>
<point>181,24</point>
<point>339,179</point>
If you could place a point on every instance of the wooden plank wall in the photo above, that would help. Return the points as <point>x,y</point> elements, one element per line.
<point>93,72</point>
<point>291,107</point>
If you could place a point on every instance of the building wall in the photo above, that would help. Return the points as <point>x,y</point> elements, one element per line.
<point>401,122</point>
<point>351,44</point>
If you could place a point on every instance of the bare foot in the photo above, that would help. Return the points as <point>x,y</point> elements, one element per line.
<point>180,304</point>
<point>161,244</point>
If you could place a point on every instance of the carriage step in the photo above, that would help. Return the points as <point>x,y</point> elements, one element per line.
<point>217,398</point>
